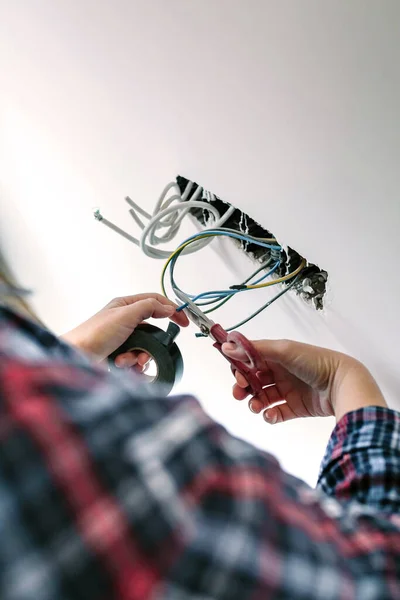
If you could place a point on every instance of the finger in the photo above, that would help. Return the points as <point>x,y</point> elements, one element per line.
<point>124,301</point>
<point>279,414</point>
<point>143,358</point>
<point>265,377</point>
<point>269,395</point>
<point>241,379</point>
<point>126,360</point>
<point>180,318</point>
<point>272,394</point>
<point>239,393</point>
<point>129,359</point>
<point>252,357</point>
<point>134,314</point>
<point>234,351</point>
<point>241,389</point>
<point>257,403</point>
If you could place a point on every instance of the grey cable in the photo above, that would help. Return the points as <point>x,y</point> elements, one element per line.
<point>266,305</point>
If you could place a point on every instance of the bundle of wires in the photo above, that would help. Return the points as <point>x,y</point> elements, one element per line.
<point>217,298</point>
<point>163,226</point>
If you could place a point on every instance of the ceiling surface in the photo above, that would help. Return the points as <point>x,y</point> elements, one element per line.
<point>288,110</point>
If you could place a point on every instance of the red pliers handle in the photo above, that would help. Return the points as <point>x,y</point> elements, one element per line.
<point>251,366</point>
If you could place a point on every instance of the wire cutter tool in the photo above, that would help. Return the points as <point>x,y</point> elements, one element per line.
<point>247,368</point>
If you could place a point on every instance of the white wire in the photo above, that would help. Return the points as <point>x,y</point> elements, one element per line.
<point>164,224</point>
<point>155,253</point>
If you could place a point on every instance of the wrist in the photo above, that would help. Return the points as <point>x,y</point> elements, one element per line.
<point>73,338</point>
<point>354,388</point>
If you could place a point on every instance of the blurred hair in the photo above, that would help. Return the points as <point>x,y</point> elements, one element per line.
<point>8,295</point>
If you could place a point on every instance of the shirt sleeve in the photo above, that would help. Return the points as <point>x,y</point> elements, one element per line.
<point>362,460</point>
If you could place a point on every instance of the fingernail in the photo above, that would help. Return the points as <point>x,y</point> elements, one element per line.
<point>269,417</point>
<point>254,406</point>
<point>169,310</point>
<point>123,363</point>
<point>230,349</point>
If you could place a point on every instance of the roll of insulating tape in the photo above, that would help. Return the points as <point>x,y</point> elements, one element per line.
<point>161,347</point>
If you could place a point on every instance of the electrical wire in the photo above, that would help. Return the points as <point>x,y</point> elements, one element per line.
<point>164,224</point>
<point>218,294</point>
<point>209,233</point>
<point>110,225</point>
<point>156,221</point>
<point>259,310</point>
<point>257,271</point>
<point>266,305</point>
<point>280,279</point>
<point>231,291</point>
<point>227,292</point>
<point>222,296</point>
<point>263,266</point>
<point>274,268</point>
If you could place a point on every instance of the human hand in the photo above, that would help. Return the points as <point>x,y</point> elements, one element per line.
<point>305,381</point>
<point>112,325</point>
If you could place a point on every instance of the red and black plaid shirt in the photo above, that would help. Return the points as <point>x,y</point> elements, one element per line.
<point>108,491</point>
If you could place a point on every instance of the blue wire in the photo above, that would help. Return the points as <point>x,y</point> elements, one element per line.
<point>216,295</point>
<point>274,268</point>
<point>173,283</point>
<point>219,294</point>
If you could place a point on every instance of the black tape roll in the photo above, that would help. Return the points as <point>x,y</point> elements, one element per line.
<point>160,345</point>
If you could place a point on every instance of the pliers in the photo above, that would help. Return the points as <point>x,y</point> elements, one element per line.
<point>248,368</point>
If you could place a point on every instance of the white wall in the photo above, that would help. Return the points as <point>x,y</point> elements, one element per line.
<point>287,109</point>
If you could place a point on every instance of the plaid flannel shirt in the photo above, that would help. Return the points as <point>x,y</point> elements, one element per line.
<point>108,491</point>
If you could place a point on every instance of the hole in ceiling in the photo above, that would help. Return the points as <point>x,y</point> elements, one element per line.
<point>312,282</point>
